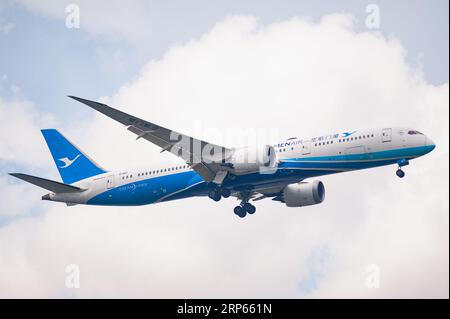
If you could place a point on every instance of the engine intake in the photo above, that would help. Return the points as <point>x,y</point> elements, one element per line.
<point>304,194</point>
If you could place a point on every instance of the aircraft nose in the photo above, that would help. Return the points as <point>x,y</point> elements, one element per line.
<point>429,144</point>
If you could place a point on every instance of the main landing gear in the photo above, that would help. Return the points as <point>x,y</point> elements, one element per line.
<point>245,207</point>
<point>242,209</point>
<point>218,193</point>
<point>403,162</point>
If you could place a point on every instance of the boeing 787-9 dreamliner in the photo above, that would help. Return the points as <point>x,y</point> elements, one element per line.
<point>284,172</point>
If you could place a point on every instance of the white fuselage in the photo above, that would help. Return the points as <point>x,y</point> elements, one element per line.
<point>305,158</point>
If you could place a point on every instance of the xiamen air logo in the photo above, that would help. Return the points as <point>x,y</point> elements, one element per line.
<point>67,162</point>
<point>347,134</point>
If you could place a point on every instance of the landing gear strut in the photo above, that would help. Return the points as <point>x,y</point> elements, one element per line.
<point>402,162</point>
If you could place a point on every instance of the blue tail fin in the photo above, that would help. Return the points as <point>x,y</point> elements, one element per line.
<point>73,165</point>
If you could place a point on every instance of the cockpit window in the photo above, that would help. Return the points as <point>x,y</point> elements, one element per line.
<point>414,132</point>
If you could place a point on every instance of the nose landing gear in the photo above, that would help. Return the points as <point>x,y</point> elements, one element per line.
<point>400,173</point>
<point>402,162</point>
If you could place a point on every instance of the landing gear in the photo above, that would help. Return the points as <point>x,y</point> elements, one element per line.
<point>402,162</point>
<point>225,193</point>
<point>400,173</point>
<point>214,195</point>
<point>239,210</point>
<point>247,208</point>
<point>218,193</point>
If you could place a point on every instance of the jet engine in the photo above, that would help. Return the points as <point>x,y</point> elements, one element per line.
<point>253,159</point>
<point>304,194</point>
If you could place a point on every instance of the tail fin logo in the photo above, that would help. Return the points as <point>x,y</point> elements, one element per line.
<point>67,162</point>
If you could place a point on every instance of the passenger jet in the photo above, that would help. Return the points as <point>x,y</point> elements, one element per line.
<point>284,172</point>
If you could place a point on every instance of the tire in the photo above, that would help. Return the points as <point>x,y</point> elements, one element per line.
<point>249,208</point>
<point>238,210</point>
<point>226,193</point>
<point>215,196</point>
<point>400,173</point>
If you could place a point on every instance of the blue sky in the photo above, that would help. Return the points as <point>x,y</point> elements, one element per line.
<point>49,61</point>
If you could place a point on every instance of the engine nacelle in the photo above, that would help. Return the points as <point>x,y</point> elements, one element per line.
<point>304,194</point>
<point>253,159</point>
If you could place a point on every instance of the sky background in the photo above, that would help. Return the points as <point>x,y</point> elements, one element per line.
<point>206,68</point>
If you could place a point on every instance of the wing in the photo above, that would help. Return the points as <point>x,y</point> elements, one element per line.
<point>205,158</point>
<point>53,186</point>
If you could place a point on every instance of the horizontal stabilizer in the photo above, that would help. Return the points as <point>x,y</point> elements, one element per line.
<point>53,186</point>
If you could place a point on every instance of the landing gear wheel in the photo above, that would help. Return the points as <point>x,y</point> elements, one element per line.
<point>238,210</point>
<point>400,173</point>
<point>225,193</point>
<point>249,208</point>
<point>215,196</point>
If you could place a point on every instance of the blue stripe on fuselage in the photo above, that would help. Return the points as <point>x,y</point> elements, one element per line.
<point>290,170</point>
<point>146,191</point>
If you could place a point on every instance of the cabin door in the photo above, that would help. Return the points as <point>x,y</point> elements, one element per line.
<point>386,135</point>
<point>110,181</point>
<point>306,148</point>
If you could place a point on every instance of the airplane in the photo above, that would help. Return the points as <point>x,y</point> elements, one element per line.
<point>285,172</point>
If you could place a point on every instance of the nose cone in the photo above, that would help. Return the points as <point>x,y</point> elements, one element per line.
<point>429,144</point>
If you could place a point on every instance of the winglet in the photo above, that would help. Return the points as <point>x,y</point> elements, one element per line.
<point>90,103</point>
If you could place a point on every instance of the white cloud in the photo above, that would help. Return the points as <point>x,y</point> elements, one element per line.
<point>304,79</point>
<point>21,145</point>
<point>20,141</point>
